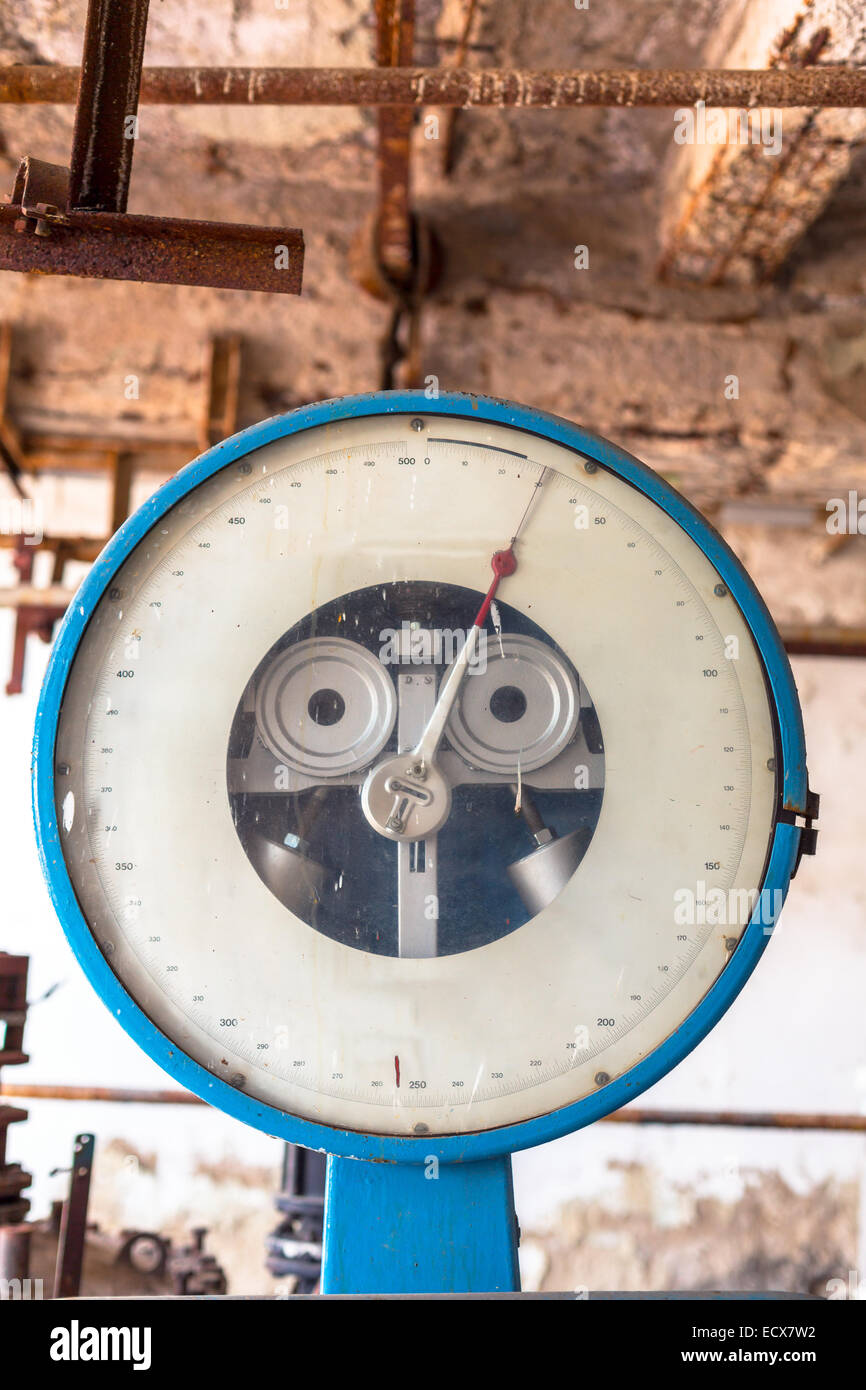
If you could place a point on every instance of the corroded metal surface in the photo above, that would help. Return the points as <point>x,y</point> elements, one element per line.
<point>104,137</point>
<point>118,246</point>
<point>462,87</point>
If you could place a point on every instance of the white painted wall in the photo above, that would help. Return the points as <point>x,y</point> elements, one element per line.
<point>794,1040</point>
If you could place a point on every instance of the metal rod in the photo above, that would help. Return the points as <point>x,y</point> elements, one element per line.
<point>73,1221</point>
<point>827,86</point>
<point>740,1119</point>
<point>824,641</point>
<point>104,137</point>
<point>101,1093</point>
<point>630,1115</point>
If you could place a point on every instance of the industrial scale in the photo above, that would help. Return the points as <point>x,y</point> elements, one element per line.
<point>418,780</point>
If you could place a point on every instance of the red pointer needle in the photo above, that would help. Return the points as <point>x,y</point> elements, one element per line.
<point>503,564</point>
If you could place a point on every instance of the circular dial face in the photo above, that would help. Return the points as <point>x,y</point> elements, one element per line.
<point>415,775</point>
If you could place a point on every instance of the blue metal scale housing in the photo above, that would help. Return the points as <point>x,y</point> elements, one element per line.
<point>432,1213</point>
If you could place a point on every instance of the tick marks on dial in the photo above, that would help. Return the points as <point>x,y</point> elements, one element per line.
<point>468,443</point>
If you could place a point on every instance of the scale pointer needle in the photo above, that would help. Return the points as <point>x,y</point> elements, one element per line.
<point>503,564</point>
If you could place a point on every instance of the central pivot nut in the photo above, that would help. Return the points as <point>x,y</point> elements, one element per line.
<point>405,801</point>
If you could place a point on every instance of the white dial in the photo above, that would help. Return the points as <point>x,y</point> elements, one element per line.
<point>396,836</point>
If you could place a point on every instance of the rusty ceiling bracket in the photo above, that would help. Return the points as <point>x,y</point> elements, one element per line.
<point>74,221</point>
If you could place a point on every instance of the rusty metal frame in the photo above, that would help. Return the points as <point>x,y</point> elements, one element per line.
<point>827,85</point>
<point>824,640</point>
<point>74,222</point>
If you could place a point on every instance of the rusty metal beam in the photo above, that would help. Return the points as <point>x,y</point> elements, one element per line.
<point>160,250</point>
<point>740,195</point>
<point>222,373</point>
<point>103,140</point>
<point>827,86</point>
<point>121,489</point>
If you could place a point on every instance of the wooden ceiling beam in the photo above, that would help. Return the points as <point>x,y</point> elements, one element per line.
<point>744,186</point>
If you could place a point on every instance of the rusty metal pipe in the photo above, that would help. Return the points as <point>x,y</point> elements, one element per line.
<point>740,1119</point>
<point>101,1093</point>
<point>458,87</point>
<point>824,641</point>
<point>630,1115</point>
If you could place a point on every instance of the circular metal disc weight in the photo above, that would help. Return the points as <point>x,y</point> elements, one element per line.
<point>326,706</point>
<point>523,706</point>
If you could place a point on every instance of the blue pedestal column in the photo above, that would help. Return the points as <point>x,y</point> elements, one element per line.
<point>419,1228</point>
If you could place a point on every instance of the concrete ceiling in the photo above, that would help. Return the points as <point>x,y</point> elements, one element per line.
<point>644,362</point>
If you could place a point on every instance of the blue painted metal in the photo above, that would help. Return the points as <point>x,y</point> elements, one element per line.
<point>420,1228</point>
<point>454,1148</point>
